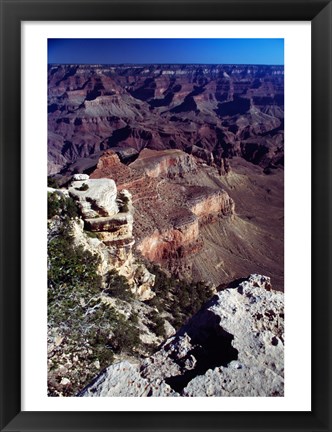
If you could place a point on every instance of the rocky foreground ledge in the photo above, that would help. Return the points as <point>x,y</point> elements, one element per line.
<point>234,346</point>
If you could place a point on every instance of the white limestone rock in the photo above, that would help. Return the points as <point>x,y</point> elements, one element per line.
<point>98,200</point>
<point>234,346</point>
<point>124,379</point>
<point>169,329</point>
<point>80,177</point>
<point>254,315</point>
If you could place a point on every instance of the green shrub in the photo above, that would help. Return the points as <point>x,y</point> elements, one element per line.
<point>84,187</point>
<point>124,208</point>
<point>126,336</point>
<point>91,234</point>
<point>52,182</point>
<point>158,324</point>
<point>180,298</point>
<point>72,271</point>
<point>70,208</point>
<point>53,205</point>
<point>91,330</point>
<point>134,318</point>
<point>61,206</point>
<point>117,286</point>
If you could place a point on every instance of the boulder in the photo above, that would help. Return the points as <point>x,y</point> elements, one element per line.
<point>96,197</point>
<point>143,283</point>
<point>80,177</point>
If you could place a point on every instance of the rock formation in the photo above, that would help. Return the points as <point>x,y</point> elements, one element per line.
<point>171,163</point>
<point>108,215</point>
<point>234,346</point>
<point>207,203</point>
<point>168,214</point>
<point>199,147</point>
<point>181,166</point>
<point>96,198</point>
<point>214,112</point>
<point>177,241</point>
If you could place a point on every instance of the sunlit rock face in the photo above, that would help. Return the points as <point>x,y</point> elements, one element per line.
<point>207,204</point>
<point>96,198</point>
<point>167,214</point>
<point>234,346</point>
<point>174,242</point>
<point>171,163</point>
<point>108,214</point>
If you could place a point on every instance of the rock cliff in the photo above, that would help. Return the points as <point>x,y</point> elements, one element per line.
<point>176,242</point>
<point>168,210</point>
<point>234,346</point>
<point>107,216</point>
<point>207,203</point>
<point>95,198</point>
<point>171,163</point>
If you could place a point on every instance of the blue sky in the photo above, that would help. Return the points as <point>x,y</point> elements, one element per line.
<point>145,51</point>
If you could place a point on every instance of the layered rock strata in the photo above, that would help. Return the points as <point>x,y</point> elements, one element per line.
<point>234,346</point>
<point>207,203</point>
<point>170,163</point>
<point>107,214</point>
<point>213,111</point>
<point>175,242</point>
<point>168,214</point>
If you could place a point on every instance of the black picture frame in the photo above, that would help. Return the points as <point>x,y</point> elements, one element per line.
<point>319,12</point>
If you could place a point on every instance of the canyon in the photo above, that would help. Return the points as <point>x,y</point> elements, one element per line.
<point>212,111</point>
<point>199,148</point>
<point>177,172</point>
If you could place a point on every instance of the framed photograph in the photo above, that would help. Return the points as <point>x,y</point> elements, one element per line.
<point>149,291</point>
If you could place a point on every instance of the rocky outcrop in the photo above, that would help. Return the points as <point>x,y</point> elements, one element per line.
<point>234,346</point>
<point>95,198</point>
<point>171,163</point>
<point>108,219</point>
<point>201,153</point>
<point>181,236</point>
<point>113,383</point>
<point>175,242</point>
<point>117,226</point>
<point>227,244</point>
<point>208,204</point>
<point>110,166</point>
<point>167,214</point>
<point>80,177</point>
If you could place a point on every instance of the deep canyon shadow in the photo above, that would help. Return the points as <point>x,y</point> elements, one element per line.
<point>212,348</point>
